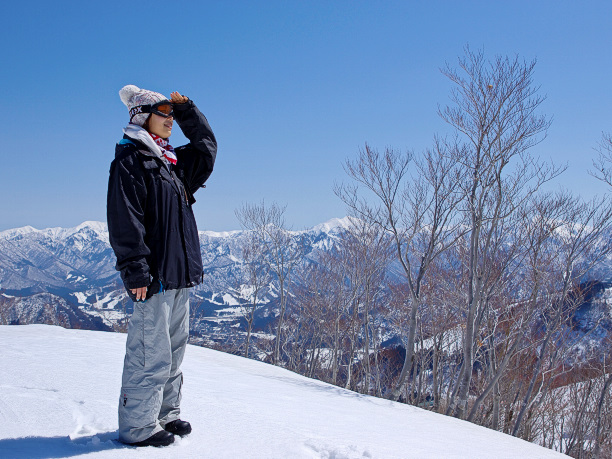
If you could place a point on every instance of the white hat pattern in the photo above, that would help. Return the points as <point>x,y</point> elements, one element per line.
<point>132,96</point>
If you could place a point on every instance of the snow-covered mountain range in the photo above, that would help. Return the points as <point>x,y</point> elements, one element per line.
<point>74,268</point>
<point>66,276</point>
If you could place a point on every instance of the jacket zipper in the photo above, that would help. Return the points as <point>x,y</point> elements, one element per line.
<point>182,219</point>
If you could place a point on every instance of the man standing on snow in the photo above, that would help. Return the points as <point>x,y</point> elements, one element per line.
<point>153,233</point>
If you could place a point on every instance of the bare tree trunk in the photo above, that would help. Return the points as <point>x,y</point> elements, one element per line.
<point>248,338</point>
<point>600,403</point>
<point>281,318</point>
<point>336,350</point>
<point>353,344</point>
<point>493,383</point>
<point>377,381</point>
<point>366,326</point>
<point>496,397</point>
<point>451,399</point>
<point>434,373</point>
<point>536,372</point>
<point>466,375</point>
<point>407,366</point>
<point>575,438</point>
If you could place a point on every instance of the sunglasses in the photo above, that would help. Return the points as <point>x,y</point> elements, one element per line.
<point>163,108</point>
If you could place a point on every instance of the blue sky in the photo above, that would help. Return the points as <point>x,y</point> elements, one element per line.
<point>291,88</point>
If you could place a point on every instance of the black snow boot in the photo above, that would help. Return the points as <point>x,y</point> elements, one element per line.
<point>178,427</point>
<point>161,438</point>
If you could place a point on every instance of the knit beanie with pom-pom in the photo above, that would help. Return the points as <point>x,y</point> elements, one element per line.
<point>132,96</point>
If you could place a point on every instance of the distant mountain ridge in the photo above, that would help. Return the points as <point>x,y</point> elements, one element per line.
<point>72,271</point>
<point>78,265</point>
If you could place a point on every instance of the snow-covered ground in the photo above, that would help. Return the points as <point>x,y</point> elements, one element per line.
<point>59,389</point>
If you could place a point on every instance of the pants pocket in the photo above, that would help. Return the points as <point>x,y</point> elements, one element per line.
<point>139,407</point>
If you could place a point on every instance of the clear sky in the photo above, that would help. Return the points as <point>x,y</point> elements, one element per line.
<point>291,89</point>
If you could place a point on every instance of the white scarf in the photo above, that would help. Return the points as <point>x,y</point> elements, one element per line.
<point>142,135</point>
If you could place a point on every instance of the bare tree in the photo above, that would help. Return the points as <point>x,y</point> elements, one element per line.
<point>441,294</point>
<point>494,114</point>
<point>510,316</point>
<point>417,212</point>
<point>280,251</point>
<point>337,295</point>
<point>255,282</point>
<point>365,253</point>
<point>603,164</point>
<point>581,243</point>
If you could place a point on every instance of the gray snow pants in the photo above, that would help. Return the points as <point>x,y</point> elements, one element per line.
<point>151,385</point>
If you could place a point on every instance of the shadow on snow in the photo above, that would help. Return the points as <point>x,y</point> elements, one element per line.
<point>54,447</point>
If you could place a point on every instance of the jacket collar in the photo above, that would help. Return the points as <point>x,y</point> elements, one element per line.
<point>145,143</point>
<point>140,134</point>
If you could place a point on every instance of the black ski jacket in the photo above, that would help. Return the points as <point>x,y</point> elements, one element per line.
<point>151,225</point>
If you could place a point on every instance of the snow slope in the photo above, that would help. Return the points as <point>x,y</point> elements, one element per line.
<point>59,389</point>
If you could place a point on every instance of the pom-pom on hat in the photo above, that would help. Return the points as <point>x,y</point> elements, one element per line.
<point>132,96</point>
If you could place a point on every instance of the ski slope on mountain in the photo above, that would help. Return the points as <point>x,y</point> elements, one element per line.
<point>59,390</point>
